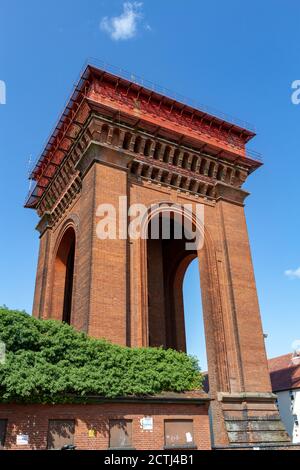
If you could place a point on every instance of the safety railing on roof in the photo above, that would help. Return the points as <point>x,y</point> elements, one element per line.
<point>254,155</point>
<point>132,77</point>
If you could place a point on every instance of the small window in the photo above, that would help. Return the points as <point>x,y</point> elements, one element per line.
<point>3,426</point>
<point>179,434</point>
<point>60,433</point>
<point>120,433</point>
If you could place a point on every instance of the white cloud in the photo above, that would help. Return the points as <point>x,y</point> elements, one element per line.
<point>123,26</point>
<point>293,273</point>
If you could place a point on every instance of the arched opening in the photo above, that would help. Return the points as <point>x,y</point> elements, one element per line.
<point>127,141</point>
<point>203,166</point>
<point>175,318</point>
<point>228,176</point>
<point>185,160</point>
<point>104,133</point>
<point>176,157</point>
<point>220,172</point>
<point>168,257</point>
<point>211,169</point>
<point>63,277</point>
<point>147,148</point>
<point>157,151</point>
<point>165,176</point>
<point>167,154</point>
<point>237,178</point>
<point>194,163</point>
<point>137,144</point>
<point>115,137</point>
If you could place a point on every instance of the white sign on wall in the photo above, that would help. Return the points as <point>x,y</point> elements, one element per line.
<point>147,423</point>
<point>22,440</point>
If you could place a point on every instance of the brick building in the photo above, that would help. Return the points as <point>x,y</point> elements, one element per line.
<point>285,379</point>
<point>167,421</point>
<point>117,138</point>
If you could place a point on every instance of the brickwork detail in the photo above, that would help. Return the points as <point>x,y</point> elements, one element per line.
<point>32,420</point>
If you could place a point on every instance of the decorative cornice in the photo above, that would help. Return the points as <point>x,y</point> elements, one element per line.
<point>145,156</point>
<point>106,156</point>
<point>228,193</point>
<point>44,223</point>
<point>49,219</point>
<point>247,397</point>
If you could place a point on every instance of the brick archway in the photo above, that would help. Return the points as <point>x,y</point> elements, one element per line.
<point>63,275</point>
<point>209,284</point>
<point>213,314</point>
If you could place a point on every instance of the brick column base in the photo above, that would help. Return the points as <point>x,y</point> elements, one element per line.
<point>252,420</point>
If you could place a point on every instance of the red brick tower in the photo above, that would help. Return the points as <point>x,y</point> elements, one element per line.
<point>119,138</point>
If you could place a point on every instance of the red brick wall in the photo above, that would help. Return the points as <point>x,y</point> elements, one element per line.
<point>33,421</point>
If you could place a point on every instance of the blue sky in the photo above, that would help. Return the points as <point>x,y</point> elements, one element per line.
<point>241,60</point>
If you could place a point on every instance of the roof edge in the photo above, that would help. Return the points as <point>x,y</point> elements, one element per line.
<point>91,68</point>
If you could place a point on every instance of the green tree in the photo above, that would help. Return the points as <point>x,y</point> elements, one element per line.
<point>48,361</point>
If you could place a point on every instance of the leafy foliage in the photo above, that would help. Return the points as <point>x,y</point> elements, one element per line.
<point>49,362</point>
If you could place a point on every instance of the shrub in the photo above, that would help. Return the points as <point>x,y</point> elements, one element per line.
<point>48,361</point>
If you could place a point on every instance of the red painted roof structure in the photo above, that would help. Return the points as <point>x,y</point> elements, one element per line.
<point>118,98</point>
